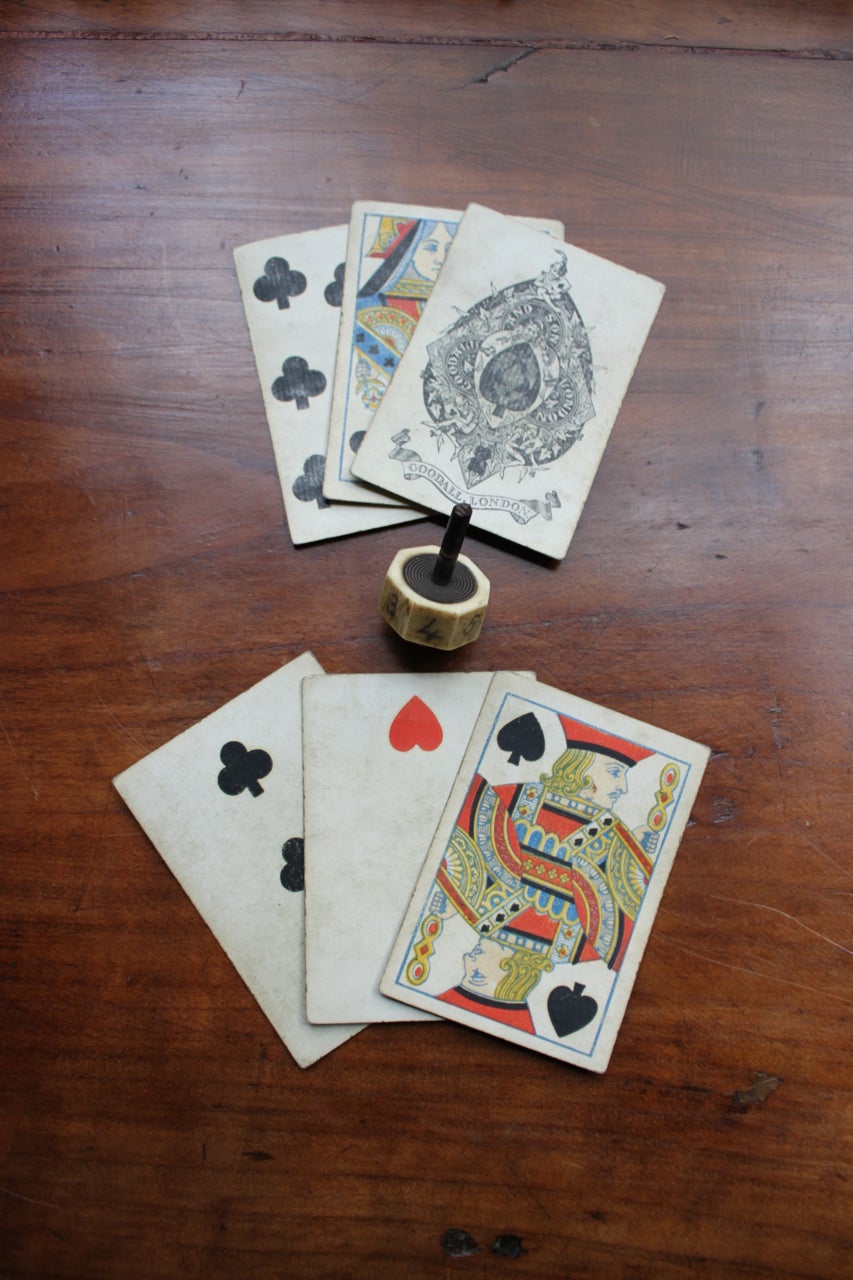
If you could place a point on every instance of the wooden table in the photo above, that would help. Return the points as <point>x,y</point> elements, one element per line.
<point>153,1124</point>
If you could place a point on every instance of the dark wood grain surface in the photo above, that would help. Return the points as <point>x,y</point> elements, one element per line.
<point>153,1124</point>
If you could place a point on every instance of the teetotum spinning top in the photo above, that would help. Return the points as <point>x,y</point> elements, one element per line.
<point>434,595</point>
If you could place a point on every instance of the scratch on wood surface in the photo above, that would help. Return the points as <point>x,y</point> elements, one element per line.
<point>758,1092</point>
<point>87,878</point>
<point>16,1195</point>
<point>777,710</point>
<point>608,623</point>
<point>18,761</point>
<point>765,906</point>
<point>753,973</point>
<point>522,1184</point>
<point>722,809</point>
<point>744,336</point>
<point>114,724</point>
<point>826,856</point>
<point>503,66</point>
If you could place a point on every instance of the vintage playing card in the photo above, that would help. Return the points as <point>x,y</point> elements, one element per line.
<point>394,255</point>
<point>381,753</point>
<point>535,902</point>
<point>292,289</point>
<point>222,803</point>
<point>510,384</point>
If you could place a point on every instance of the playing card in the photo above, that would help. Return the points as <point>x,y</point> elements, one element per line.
<point>394,255</point>
<point>291,288</point>
<point>223,805</point>
<point>511,382</point>
<point>381,753</point>
<point>536,899</point>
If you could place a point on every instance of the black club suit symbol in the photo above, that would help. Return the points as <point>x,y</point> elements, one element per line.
<point>279,283</point>
<point>309,486</point>
<point>334,290</point>
<point>298,382</point>
<point>292,874</point>
<point>243,769</point>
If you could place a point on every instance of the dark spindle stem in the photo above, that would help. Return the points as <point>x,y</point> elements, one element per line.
<point>451,545</point>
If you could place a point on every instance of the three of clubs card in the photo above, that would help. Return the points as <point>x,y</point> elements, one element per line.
<point>535,902</point>
<point>292,289</point>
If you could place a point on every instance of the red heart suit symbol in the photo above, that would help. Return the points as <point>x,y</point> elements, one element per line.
<point>415,725</point>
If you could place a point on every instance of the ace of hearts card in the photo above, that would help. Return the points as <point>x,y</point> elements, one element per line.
<point>538,894</point>
<point>381,753</point>
<point>511,382</point>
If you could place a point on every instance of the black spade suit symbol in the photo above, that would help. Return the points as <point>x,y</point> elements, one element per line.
<point>522,736</point>
<point>243,769</point>
<point>293,872</point>
<point>570,1010</point>
<point>298,382</point>
<point>511,379</point>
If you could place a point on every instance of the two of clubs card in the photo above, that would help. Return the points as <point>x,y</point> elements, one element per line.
<point>472,846</point>
<point>421,357</point>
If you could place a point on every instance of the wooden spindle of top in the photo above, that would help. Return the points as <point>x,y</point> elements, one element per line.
<point>451,543</point>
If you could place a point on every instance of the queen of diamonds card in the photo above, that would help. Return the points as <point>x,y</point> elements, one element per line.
<point>537,897</point>
<point>511,382</point>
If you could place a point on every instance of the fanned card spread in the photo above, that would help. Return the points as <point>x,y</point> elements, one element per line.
<point>411,846</point>
<point>531,891</point>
